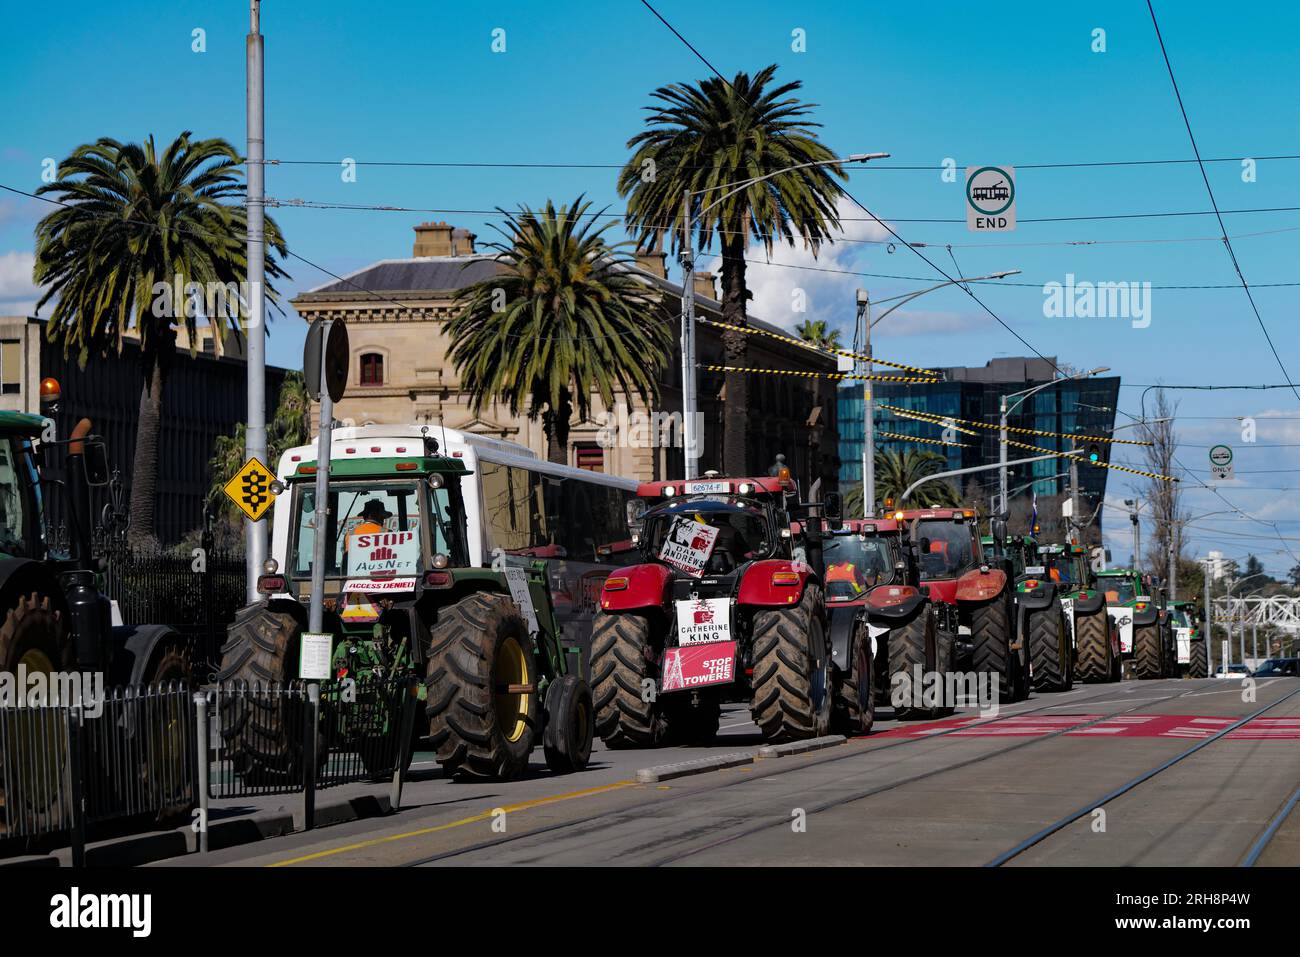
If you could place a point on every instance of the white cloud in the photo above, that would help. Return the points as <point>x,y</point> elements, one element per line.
<point>18,294</point>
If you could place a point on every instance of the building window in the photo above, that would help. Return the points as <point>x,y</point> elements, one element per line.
<point>589,456</point>
<point>11,367</point>
<point>372,369</point>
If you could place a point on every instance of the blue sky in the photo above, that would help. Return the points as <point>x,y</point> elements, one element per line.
<point>1017,84</point>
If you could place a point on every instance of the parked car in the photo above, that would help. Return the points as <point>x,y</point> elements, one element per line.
<point>1234,671</point>
<point>1279,668</point>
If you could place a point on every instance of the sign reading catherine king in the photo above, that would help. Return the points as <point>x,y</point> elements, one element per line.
<point>383,554</point>
<point>688,545</point>
<point>702,620</point>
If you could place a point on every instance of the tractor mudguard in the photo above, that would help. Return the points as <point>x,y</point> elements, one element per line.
<point>896,612</point>
<point>841,627</point>
<point>135,646</point>
<point>1094,603</point>
<point>636,587</point>
<point>1147,616</point>
<point>774,582</point>
<point>1037,598</point>
<point>977,585</point>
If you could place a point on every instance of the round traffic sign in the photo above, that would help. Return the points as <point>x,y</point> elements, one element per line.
<point>1221,455</point>
<point>990,191</point>
<point>336,353</point>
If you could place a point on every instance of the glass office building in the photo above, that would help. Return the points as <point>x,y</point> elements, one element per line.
<point>1084,406</point>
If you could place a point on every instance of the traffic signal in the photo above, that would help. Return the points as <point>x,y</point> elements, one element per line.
<point>1094,453</point>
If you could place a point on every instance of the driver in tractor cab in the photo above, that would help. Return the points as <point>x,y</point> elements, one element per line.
<point>845,578</point>
<point>373,516</point>
<point>729,548</point>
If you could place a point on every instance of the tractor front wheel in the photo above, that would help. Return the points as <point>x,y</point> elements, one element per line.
<point>992,653</point>
<point>1147,652</point>
<point>570,721</point>
<point>623,679</point>
<point>792,671</point>
<point>1199,665</point>
<point>854,710</point>
<point>482,701</point>
<point>1049,649</point>
<point>1093,636</point>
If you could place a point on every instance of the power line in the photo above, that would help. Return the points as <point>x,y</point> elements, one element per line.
<point>1213,202</point>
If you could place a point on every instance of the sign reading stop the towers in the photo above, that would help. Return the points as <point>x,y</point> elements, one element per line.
<point>990,199</point>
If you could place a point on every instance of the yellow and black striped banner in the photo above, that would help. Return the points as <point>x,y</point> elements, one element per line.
<point>925,417</point>
<point>1102,465</point>
<point>837,376</point>
<point>899,437</point>
<point>751,331</point>
<point>935,417</point>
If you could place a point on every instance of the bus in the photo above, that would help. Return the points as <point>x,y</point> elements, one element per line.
<point>518,507</point>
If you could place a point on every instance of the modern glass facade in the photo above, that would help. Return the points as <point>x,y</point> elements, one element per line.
<point>1083,406</point>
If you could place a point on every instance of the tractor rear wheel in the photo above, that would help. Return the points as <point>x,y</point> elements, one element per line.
<point>1049,649</point>
<point>621,666</point>
<point>911,646</point>
<point>1093,635</point>
<point>32,637</point>
<point>262,732</point>
<point>1199,665</point>
<point>1147,652</point>
<point>482,701</point>
<point>792,671</point>
<point>854,708</point>
<point>992,652</point>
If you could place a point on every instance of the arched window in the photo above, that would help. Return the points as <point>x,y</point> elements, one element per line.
<point>372,369</point>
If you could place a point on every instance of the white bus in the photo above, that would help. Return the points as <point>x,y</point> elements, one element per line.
<point>518,508</point>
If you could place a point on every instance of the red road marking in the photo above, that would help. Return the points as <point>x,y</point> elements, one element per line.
<point>1121,726</point>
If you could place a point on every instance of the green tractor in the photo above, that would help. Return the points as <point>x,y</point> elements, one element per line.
<point>402,602</point>
<point>1097,654</point>
<point>1146,634</point>
<point>1193,654</point>
<point>1041,623</point>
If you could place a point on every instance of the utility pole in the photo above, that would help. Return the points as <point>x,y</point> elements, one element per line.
<point>1002,460</point>
<point>690,437</point>
<point>868,411</point>
<point>1173,566</point>
<point>1209,623</point>
<point>1134,505</point>
<point>1074,494</point>
<point>255,431</point>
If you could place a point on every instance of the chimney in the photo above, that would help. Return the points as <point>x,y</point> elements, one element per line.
<point>704,285</point>
<point>432,239</point>
<point>462,242</point>
<point>653,259</point>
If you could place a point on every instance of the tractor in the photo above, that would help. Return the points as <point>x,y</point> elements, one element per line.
<point>1040,615</point>
<point>718,609</point>
<point>1092,631</point>
<point>1193,654</point>
<point>957,571</point>
<point>401,601</point>
<point>880,612</point>
<point>53,616</point>
<point>1146,635</point>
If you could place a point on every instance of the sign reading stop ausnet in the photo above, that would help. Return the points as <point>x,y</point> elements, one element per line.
<point>990,199</point>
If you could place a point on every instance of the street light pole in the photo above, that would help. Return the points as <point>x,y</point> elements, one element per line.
<point>255,430</point>
<point>690,402</point>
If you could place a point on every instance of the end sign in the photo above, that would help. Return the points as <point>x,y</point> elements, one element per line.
<point>990,199</point>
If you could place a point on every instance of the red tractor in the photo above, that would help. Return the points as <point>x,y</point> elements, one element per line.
<point>879,612</point>
<point>719,609</point>
<point>957,571</point>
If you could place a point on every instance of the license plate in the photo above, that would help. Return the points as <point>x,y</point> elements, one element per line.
<point>707,488</point>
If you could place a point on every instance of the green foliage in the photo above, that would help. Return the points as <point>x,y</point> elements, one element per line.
<point>818,334</point>
<point>895,471</point>
<point>289,427</point>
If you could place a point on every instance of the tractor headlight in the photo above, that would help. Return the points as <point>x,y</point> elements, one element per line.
<point>440,560</point>
<point>270,566</point>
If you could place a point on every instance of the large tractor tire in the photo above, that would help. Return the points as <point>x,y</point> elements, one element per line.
<point>621,665</point>
<point>1199,665</point>
<point>991,632</point>
<point>1093,637</point>
<point>570,723</point>
<point>32,636</point>
<point>1049,649</point>
<point>853,711</point>
<point>792,687</point>
<point>1148,657</point>
<point>262,733</point>
<point>483,707</point>
<point>913,644</point>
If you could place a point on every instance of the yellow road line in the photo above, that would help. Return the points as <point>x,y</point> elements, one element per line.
<point>521,806</point>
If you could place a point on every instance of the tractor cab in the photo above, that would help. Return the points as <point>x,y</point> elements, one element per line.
<point>948,547</point>
<point>861,555</point>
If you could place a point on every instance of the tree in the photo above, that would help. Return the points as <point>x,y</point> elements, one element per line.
<point>1165,498</point>
<point>565,318</point>
<point>895,472</point>
<point>289,427</point>
<point>816,333</point>
<point>701,138</point>
<point>1293,576</point>
<point>131,227</point>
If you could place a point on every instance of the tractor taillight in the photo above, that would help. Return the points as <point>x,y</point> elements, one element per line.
<point>271,584</point>
<point>1031,583</point>
<point>785,578</point>
<point>437,579</point>
<point>616,584</point>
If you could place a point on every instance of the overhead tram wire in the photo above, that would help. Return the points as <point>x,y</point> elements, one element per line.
<point>939,270</point>
<point>1205,178</point>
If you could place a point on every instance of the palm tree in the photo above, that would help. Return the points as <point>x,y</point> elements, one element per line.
<point>132,226</point>
<point>289,427</point>
<point>896,471</point>
<point>816,332</point>
<point>700,138</point>
<point>564,318</point>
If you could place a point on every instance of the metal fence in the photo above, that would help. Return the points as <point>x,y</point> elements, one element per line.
<point>65,766</point>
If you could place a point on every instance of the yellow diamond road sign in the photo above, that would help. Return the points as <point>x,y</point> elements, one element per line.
<point>250,489</point>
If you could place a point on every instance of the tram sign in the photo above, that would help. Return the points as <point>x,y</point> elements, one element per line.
<point>990,199</point>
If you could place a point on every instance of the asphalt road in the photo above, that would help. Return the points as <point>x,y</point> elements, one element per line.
<point>950,794</point>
